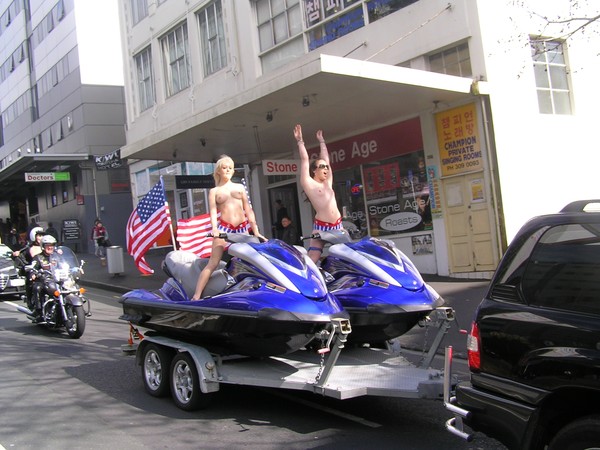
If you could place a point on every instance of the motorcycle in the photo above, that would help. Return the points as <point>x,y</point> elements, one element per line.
<point>62,300</point>
<point>377,285</point>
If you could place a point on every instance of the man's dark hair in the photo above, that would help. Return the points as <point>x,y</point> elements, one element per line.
<point>313,167</point>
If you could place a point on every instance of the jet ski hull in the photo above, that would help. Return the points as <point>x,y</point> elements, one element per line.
<point>379,287</point>
<point>256,322</point>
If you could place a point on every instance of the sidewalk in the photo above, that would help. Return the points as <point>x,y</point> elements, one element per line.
<point>97,275</point>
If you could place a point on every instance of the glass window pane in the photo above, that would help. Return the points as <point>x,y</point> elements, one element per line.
<point>545,102</point>
<point>538,51</point>
<point>263,11</point>
<point>558,77</point>
<point>280,27</point>
<point>541,76</point>
<point>555,54</point>
<point>277,7</point>
<point>450,57</point>
<point>295,21</point>
<point>562,102</point>
<point>453,69</point>
<point>265,37</point>
<point>436,63</point>
<point>465,68</point>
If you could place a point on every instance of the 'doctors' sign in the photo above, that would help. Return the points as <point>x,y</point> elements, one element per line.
<point>36,177</point>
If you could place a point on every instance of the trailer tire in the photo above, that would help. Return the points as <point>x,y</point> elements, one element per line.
<point>156,364</point>
<point>185,384</point>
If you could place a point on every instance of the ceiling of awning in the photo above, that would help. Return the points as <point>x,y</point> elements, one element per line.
<point>12,178</point>
<point>346,97</point>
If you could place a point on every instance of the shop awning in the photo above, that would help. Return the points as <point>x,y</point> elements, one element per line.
<point>341,96</point>
<point>12,178</point>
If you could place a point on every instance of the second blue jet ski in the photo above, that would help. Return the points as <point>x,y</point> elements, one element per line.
<point>377,284</point>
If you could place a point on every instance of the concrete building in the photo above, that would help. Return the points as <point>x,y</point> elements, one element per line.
<point>58,112</point>
<point>449,123</point>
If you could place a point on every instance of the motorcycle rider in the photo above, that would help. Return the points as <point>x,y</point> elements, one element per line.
<point>25,256</point>
<point>32,248</point>
<point>42,262</point>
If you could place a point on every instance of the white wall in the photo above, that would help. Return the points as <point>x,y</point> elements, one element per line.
<point>545,161</point>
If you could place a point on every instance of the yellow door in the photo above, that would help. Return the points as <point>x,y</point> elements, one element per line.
<point>470,238</point>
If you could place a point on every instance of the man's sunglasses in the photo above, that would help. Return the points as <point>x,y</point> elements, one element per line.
<point>323,166</point>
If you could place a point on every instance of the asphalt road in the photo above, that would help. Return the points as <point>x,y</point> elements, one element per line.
<point>57,392</point>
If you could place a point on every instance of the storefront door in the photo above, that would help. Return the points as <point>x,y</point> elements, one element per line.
<point>288,195</point>
<point>468,224</point>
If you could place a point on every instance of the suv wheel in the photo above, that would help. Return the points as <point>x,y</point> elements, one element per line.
<point>578,435</point>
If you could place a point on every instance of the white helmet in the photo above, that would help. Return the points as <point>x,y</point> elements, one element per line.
<point>47,240</point>
<point>34,232</point>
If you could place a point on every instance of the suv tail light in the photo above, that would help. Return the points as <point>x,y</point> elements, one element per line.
<point>473,348</point>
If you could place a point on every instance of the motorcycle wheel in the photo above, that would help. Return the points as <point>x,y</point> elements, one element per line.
<point>75,321</point>
<point>156,364</point>
<point>185,384</point>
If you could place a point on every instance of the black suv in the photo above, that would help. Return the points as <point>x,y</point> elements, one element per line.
<point>534,345</point>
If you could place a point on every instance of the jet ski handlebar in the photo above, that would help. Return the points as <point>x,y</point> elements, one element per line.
<point>332,236</point>
<point>236,237</point>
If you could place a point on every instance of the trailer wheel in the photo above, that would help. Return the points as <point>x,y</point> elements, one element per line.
<point>155,370</point>
<point>185,384</point>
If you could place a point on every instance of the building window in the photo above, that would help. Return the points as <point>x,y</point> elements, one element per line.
<point>139,10</point>
<point>278,21</point>
<point>279,32</point>
<point>452,61</point>
<point>143,63</point>
<point>330,20</point>
<point>214,52</point>
<point>551,77</point>
<point>175,52</point>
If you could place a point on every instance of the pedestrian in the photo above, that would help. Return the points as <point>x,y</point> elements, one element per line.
<point>229,199</point>
<point>52,231</point>
<point>290,234</point>
<point>12,239</point>
<point>100,237</point>
<point>316,179</point>
<point>32,224</point>
<point>281,213</point>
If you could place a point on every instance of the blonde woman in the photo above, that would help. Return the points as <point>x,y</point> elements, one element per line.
<point>229,199</point>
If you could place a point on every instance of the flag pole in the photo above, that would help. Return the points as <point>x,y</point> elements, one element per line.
<point>169,211</point>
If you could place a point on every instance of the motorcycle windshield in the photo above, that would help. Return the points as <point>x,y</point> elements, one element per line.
<point>64,262</point>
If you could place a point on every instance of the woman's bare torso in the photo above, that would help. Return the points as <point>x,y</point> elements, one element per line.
<point>229,202</point>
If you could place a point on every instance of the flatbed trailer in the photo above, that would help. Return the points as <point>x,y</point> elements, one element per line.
<point>191,374</point>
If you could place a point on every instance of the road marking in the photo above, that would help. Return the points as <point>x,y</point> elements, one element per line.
<point>328,410</point>
<point>12,304</point>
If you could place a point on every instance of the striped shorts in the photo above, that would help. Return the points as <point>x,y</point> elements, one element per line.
<point>319,225</point>
<point>225,227</point>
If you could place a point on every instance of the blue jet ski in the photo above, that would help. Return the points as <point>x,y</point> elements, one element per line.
<point>270,299</point>
<point>377,284</point>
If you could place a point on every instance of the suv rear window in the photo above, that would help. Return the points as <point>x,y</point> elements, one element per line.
<point>564,269</point>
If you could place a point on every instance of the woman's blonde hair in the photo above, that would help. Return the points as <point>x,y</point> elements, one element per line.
<point>222,160</point>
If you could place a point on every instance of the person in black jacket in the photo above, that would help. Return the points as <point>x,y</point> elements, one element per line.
<point>41,280</point>
<point>290,234</point>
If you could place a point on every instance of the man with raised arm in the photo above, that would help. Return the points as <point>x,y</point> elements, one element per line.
<point>316,179</point>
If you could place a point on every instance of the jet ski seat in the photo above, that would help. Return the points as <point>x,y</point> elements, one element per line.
<point>185,267</point>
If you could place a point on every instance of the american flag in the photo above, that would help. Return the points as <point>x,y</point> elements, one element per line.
<point>147,222</point>
<point>191,235</point>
